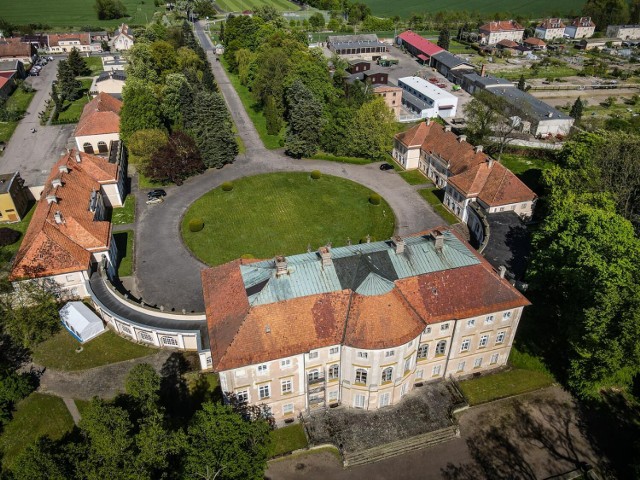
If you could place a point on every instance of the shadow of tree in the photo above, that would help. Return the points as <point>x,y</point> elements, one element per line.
<point>533,439</point>
<point>174,391</point>
<point>518,241</point>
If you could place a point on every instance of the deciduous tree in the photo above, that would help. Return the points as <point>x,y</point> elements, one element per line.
<point>140,109</point>
<point>371,132</point>
<point>177,160</point>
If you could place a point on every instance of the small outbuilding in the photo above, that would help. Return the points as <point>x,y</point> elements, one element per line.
<point>81,322</point>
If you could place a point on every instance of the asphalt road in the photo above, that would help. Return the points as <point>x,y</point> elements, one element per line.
<point>166,272</point>
<point>33,154</point>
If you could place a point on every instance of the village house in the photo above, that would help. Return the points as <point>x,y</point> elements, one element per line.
<point>359,325</point>
<point>123,38</point>
<point>535,43</point>
<point>14,199</point>
<point>419,47</point>
<point>581,27</point>
<point>392,96</point>
<point>65,42</point>
<point>624,32</point>
<point>111,82</point>
<point>99,124</point>
<point>427,100</point>
<point>69,233</point>
<point>550,29</point>
<point>12,49</point>
<point>492,32</point>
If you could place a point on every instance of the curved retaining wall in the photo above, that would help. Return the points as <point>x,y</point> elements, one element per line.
<point>478,226</point>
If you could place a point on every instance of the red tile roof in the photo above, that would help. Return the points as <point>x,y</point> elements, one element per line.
<point>551,23</point>
<point>507,43</point>
<point>51,248</point>
<point>583,22</point>
<point>494,185</point>
<point>432,138</point>
<point>420,43</point>
<point>535,42</point>
<point>242,335</point>
<point>501,26</point>
<point>101,115</point>
<point>14,48</point>
<point>55,38</point>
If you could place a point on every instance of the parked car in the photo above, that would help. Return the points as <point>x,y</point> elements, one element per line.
<point>34,73</point>
<point>386,166</point>
<point>157,193</point>
<point>50,59</point>
<point>154,200</point>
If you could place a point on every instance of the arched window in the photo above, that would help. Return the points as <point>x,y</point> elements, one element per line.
<point>361,376</point>
<point>334,371</point>
<point>313,375</point>
<point>423,351</point>
<point>441,347</point>
<point>88,148</point>
<point>387,373</point>
<point>102,147</point>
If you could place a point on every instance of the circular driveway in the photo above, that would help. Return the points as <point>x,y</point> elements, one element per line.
<point>166,272</point>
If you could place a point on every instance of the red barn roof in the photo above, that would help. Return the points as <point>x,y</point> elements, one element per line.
<point>422,44</point>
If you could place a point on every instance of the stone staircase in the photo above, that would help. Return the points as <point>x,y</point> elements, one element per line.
<point>400,447</point>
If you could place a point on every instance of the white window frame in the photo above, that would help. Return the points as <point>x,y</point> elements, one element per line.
<point>286,363</point>
<point>494,359</point>
<point>477,363</point>
<point>171,341</point>
<point>427,330</point>
<point>500,337</point>
<point>313,374</point>
<point>484,341</point>
<point>465,345</point>
<point>333,395</point>
<point>407,364</point>
<point>334,350</point>
<point>489,319</point>
<point>264,391</point>
<point>263,369</point>
<point>506,315</point>
<point>436,370</point>
<point>389,353</point>
<point>287,408</point>
<point>471,323</point>
<point>444,327</point>
<point>146,336</point>
<point>335,367</point>
<point>387,375</point>
<point>363,354</point>
<point>443,350</point>
<point>385,400</point>
<point>359,400</point>
<point>312,355</point>
<point>461,366</point>
<point>361,376</point>
<point>242,396</point>
<point>286,386</point>
<point>423,351</point>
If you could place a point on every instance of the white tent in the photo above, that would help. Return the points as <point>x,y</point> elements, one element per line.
<point>81,322</point>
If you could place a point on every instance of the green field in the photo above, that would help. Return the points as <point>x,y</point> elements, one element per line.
<point>528,8</point>
<point>124,242</point>
<point>19,100</point>
<point>72,13</point>
<point>287,439</point>
<point>242,5</point>
<point>283,213</point>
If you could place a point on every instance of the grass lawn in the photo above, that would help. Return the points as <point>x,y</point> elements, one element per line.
<point>72,13</point>
<point>125,214</point>
<point>95,64</point>
<point>414,177</point>
<point>59,353</point>
<point>124,242</point>
<point>253,110</point>
<point>146,182</point>
<point>287,439</point>
<point>242,5</point>
<point>35,416</point>
<point>22,228</point>
<point>553,71</point>
<point>71,111</point>
<point>434,197</point>
<point>283,213</point>
<point>455,47</point>
<point>20,101</point>
<point>528,169</point>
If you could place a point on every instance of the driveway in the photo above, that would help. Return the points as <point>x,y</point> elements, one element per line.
<point>33,154</point>
<point>533,436</point>
<point>166,272</point>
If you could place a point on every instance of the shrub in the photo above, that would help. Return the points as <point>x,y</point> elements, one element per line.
<point>316,174</point>
<point>196,224</point>
<point>8,236</point>
<point>375,199</point>
<point>227,186</point>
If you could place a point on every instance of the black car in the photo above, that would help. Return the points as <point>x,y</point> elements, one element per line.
<point>386,166</point>
<point>157,193</point>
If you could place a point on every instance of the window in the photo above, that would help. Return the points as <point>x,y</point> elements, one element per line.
<point>263,369</point>
<point>313,355</point>
<point>389,353</point>
<point>461,367</point>
<point>102,147</point>
<point>334,350</point>
<point>500,337</point>
<point>87,147</point>
<point>410,344</point>
<point>419,373</point>
<point>146,336</point>
<point>477,363</point>
<point>471,323</point>
<point>286,363</point>
<point>387,373</point>
<point>287,387</point>
<point>313,375</point>
<point>484,339</point>
<point>441,347</point>
<point>242,396</point>
<point>363,354</point>
<point>465,345</point>
<point>444,327</point>
<point>334,372</point>
<point>489,319</point>
<point>407,365</point>
<point>506,315</point>
<point>333,395</point>
<point>384,399</point>
<point>494,358</point>
<point>264,392</point>
<point>209,361</point>
<point>423,351</point>
<point>358,401</point>
<point>403,390</point>
<point>287,409</point>
<point>169,341</point>
<point>361,376</point>
<point>427,330</point>
<point>524,205</point>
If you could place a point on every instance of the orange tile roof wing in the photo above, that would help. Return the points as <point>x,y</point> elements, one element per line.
<point>101,115</point>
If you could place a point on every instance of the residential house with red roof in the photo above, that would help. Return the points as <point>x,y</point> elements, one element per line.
<point>492,32</point>
<point>99,124</point>
<point>581,27</point>
<point>12,49</point>
<point>65,42</point>
<point>69,233</point>
<point>550,28</point>
<point>358,325</point>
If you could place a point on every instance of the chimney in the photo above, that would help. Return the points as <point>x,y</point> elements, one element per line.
<point>281,266</point>
<point>462,138</point>
<point>483,70</point>
<point>447,128</point>
<point>78,157</point>
<point>428,121</point>
<point>56,182</point>
<point>325,255</point>
<point>399,243</point>
<point>267,329</point>
<point>58,217</point>
<point>490,161</point>
<point>63,169</point>
<point>478,149</point>
<point>52,199</point>
<point>439,240</point>
<point>502,271</point>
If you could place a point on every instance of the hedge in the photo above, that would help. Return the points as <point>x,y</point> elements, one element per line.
<point>375,199</point>
<point>316,174</point>
<point>196,224</point>
<point>227,186</point>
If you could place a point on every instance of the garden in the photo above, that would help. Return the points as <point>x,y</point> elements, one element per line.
<point>283,213</point>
